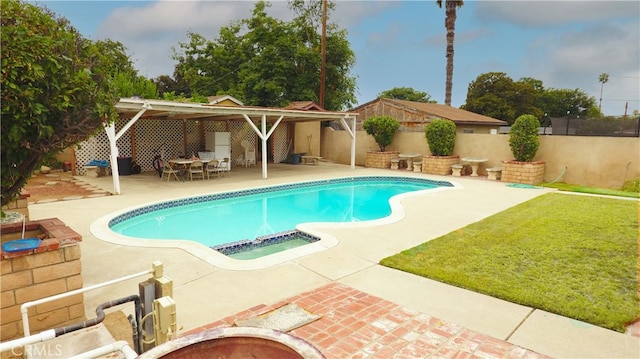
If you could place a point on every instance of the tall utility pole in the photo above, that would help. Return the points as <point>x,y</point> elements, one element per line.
<point>323,51</point>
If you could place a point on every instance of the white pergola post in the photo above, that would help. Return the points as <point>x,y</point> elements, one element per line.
<point>352,132</point>
<point>110,129</point>
<point>264,136</point>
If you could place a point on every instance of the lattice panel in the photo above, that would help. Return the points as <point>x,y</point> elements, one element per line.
<point>165,137</point>
<point>215,126</point>
<point>280,143</point>
<point>192,129</point>
<point>97,148</point>
<point>157,137</point>
<point>240,130</point>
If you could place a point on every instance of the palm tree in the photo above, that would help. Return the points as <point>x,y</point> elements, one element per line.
<point>451,6</point>
<point>603,78</point>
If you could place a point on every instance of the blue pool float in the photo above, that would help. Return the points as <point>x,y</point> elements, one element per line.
<point>21,245</point>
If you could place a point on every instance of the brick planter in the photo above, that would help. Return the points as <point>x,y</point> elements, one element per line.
<point>523,172</point>
<point>439,165</point>
<point>52,268</point>
<point>377,159</point>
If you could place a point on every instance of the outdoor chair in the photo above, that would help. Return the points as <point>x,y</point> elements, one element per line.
<point>249,158</point>
<point>212,168</point>
<point>223,167</point>
<point>168,170</point>
<point>196,169</point>
<point>239,161</point>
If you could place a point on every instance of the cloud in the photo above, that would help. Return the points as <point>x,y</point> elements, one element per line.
<point>461,37</point>
<point>547,13</point>
<point>577,58</point>
<point>155,28</point>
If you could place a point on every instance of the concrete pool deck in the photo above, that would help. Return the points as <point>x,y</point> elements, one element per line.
<point>206,294</point>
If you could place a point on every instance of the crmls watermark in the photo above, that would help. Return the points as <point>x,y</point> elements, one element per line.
<point>41,350</point>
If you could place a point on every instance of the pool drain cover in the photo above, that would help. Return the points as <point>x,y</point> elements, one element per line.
<point>285,318</point>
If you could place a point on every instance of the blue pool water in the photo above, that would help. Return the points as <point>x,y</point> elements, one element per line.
<point>245,215</point>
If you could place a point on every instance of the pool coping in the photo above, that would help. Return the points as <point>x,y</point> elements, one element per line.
<point>100,229</point>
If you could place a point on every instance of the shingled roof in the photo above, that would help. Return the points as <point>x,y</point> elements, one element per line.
<point>425,112</point>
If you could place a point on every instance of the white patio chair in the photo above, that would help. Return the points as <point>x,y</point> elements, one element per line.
<point>239,161</point>
<point>249,157</point>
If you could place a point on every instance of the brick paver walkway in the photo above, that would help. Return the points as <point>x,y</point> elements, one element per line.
<point>355,324</point>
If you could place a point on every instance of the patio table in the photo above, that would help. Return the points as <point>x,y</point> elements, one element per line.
<point>475,163</point>
<point>185,163</point>
<point>409,157</point>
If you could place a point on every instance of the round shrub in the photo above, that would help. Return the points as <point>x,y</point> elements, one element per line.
<point>382,128</point>
<point>441,137</point>
<point>523,138</point>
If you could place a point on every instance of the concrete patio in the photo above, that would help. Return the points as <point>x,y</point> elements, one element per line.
<point>206,294</point>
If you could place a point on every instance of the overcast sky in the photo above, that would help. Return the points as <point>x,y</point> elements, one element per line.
<point>565,44</point>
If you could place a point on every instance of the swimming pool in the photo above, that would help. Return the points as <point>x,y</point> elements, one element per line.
<point>246,215</point>
<point>102,227</point>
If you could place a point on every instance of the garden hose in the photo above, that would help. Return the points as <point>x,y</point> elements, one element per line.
<point>562,174</point>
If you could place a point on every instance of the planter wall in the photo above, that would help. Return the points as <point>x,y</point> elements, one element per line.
<point>439,165</point>
<point>52,268</point>
<point>523,172</point>
<point>376,159</point>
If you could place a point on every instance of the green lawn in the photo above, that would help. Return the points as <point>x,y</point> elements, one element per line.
<point>632,193</point>
<point>576,256</point>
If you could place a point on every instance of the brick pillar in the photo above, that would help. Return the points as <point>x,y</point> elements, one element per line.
<point>523,172</point>
<point>439,165</point>
<point>51,268</point>
<point>376,159</point>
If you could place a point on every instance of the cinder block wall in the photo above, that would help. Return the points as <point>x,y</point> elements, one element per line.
<point>52,268</point>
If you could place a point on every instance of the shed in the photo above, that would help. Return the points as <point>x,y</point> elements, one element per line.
<point>414,116</point>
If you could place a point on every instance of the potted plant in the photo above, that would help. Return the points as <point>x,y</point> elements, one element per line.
<point>441,138</point>
<point>524,143</point>
<point>382,128</point>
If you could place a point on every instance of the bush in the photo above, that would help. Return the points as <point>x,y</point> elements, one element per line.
<point>523,140</point>
<point>441,137</point>
<point>382,128</point>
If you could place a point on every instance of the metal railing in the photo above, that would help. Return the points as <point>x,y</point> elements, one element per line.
<point>156,270</point>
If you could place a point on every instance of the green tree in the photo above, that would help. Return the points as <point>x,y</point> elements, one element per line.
<point>382,128</point>
<point>56,90</point>
<point>268,62</point>
<point>566,102</point>
<point>496,95</point>
<point>177,86</point>
<point>441,136</point>
<point>125,77</point>
<point>451,8</point>
<point>408,94</point>
<point>523,138</point>
<point>490,94</point>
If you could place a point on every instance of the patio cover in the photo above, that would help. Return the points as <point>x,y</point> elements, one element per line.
<point>133,109</point>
